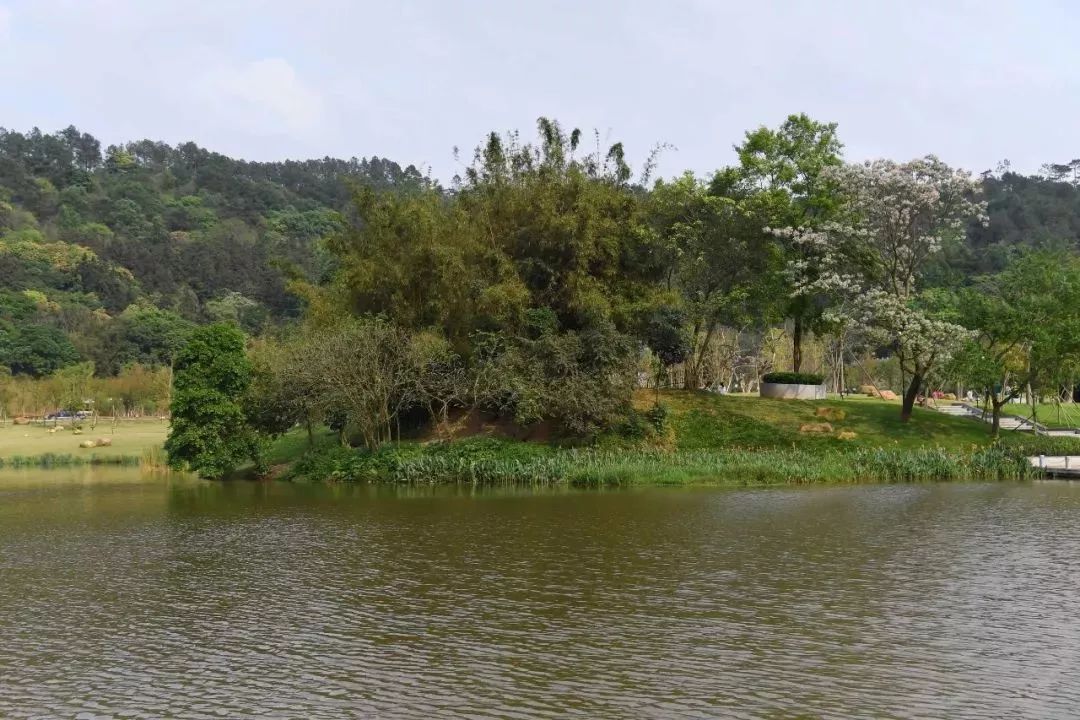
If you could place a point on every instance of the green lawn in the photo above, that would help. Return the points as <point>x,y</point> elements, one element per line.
<point>295,442</point>
<point>1055,416</point>
<point>708,420</point>
<point>130,438</point>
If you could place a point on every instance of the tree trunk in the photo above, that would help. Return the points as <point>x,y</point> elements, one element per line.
<point>796,345</point>
<point>909,396</point>
<point>843,382</point>
<point>995,418</point>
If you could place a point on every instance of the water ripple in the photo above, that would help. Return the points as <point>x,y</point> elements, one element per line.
<point>152,600</point>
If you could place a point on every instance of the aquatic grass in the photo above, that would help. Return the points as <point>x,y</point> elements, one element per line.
<point>153,460</point>
<point>542,465</point>
<point>47,461</point>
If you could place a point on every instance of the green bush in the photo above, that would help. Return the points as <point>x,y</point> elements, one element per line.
<point>657,416</point>
<point>1024,445</point>
<point>640,425</point>
<point>792,378</point>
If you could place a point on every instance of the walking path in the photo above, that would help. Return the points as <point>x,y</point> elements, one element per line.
<point>1007,422</point>
<point>1062,466</point>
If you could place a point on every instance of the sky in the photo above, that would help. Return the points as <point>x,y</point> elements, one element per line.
<point>973,82</point>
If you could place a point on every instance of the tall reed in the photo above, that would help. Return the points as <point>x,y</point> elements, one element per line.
<point>717,466</point>
<point>62,460</point>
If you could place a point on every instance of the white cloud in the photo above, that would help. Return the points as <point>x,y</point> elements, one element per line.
<point>265,95</point>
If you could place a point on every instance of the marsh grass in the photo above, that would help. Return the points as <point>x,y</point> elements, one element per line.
<point>153,460</point>
<point>62,460</point>
<point>488,465</point>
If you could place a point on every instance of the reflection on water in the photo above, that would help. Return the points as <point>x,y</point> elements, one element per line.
<point>123,597</point>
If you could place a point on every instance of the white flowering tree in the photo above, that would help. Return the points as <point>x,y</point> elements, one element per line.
<point>869,267</point>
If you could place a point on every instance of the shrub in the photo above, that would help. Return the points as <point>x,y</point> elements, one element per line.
<point>792,378</point>
<point>1022,445</point>
<point>657,416</point>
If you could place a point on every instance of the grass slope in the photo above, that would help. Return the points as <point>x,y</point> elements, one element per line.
<point>712,440</point>
<point>707,420</point>
<point>1065,416</point>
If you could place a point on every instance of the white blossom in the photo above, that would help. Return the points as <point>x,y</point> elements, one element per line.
<point>868,269</point>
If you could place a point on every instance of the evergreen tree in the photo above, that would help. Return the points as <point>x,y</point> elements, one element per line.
<point>210,433</point>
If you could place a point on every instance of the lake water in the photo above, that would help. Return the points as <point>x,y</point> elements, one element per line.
<point>129,598</point>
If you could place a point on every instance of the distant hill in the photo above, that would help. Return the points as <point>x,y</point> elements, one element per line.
<point>93,241</point>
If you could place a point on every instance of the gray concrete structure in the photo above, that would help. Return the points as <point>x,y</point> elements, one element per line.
<point>785,391</point>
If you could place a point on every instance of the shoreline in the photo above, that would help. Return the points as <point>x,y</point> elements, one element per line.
<point>499,463</point>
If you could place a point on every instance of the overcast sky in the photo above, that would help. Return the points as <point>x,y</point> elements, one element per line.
<point>973,82</point>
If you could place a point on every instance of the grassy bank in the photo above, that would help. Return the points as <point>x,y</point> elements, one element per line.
<point>707,420</point>
<point>502,462</point>
<point>35,446</point>
<point>1065,416</point>
<point>709,439</point>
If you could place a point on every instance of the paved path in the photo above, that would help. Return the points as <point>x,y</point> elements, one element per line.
<point>1058,465</point>
<point>1008,422</point>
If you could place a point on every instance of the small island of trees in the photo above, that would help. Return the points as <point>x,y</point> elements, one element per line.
<point>541,292</point>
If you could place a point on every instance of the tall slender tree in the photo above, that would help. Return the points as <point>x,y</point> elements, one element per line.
<point>786,169</point>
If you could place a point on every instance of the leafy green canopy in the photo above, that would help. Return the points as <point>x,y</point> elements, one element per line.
<point>210,433</point>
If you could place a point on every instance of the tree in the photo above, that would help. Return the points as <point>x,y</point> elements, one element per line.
<point>359,370</point>
<point>666,336</point>
<point>717,257</point>
<point>235,308</point>
<point>900,216</point>
<point>35,349</point>
<point>141,334</point>
<point>75,385</point>
<point>1027,321</point>
<point>785,172</point>
<point>210,433</point>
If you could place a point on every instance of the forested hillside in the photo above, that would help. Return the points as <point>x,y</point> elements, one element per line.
<point>1025,212</point>
<point>110,255</point>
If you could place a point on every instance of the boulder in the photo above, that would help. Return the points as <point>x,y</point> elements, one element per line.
<point>816,428</point>
<point>87,444</point>
<point>887,395</point>
<point>834,414</point>
<point>21,420</point>
<point>104,442</point>
<point>845,435</point>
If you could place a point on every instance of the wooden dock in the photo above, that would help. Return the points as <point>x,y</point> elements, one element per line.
<point>1061,466</point>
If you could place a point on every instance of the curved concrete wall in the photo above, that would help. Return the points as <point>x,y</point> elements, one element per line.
<point>784,391</point>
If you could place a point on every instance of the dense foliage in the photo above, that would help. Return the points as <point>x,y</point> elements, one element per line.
<point>539,289</point>
<point>210,433</point>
